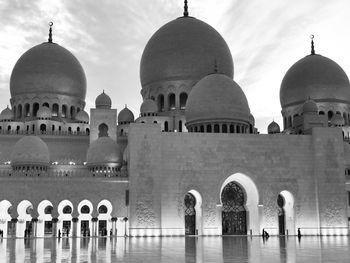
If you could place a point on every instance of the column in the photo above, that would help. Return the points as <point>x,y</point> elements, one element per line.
<point>54,227</point>
<point>114,226</point>
<point>75,221</point>
<point>94,221</point>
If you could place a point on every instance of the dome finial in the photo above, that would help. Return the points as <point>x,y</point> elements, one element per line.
<point>185,9</point>
<point>215,66</point>
<point>50,32</point>
<point>312,45</point>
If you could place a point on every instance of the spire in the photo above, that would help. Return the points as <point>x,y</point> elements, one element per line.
<point>312,45</point>
<point>185,9</point>
<point>50,32</point>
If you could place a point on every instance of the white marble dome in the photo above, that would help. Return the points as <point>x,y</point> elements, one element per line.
<point>148,106</point>
<point>44,113</point>
<point>6,114</point>
<point>48,68</point>
<point>104,151</point>
<point>30,150</point>
<point>316,77</point>
<point>184,48</point>
<point>82,116</point>
<point>217,97</point>
<point>103,101</point>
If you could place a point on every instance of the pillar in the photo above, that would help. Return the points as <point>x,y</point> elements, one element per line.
<point>75,221</point>
<point>34,227</point>
<point>54,227</point>
<point>94,231</point>
<point>114,226</point>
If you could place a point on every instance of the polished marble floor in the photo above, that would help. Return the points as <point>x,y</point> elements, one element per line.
<point>177,249</point>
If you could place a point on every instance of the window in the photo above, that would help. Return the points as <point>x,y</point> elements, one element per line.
<point>67,210</point>
<point>64,111</point>
<point>102,209</point>
<point>55,110</point>
<point>180,126</point>
<point>171,101</point>
<point>166,128</point>
<point>26,110</point>
<point>161,102</point>
<point>85,209</point>
<point>183,100</point>
<point>35,109</point>
<point>103,130</point>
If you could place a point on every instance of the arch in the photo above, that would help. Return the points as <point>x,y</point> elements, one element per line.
<point>180,125</point>
<point>104,209</point>
<point>251,201</point>
<point>19,111</point>
<point>35,108</point>
<point>55,110</point>
<point>166,128</point>
<point>330,115</point>
<point>24,225</point>
<point>26,110</point>
<point>8,227</point>
<point>289,211</point>
<point>224,128</point>
<point>87,130</point>
<point>160,101</point>
<point>64,111</point>
<point>198,209</point>
<point>72,112</point>
<point>183,100</point>
<point>44,225</point>
<point>209,128</point>
<point>42,128</point>
<point>216,128</point>
<point>64,224</point>
<point>84,228</point>
<point>281,215</point>
<point>46,104</point>
<point>103,130</point>
<point>171,101</point>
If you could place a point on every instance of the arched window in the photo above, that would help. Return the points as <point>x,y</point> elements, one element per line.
<point>48,210</point>
<point>53,128</point>
<point>166,128</point>
<point>183,100</point>
<point>289,121</point>
<point>27,110</point>
<point>154,121</point>
<point>55,110</point>
<point>64,111</point>
<point>330,115</point>
<point>69,129</point>
<point>85,209</point>
<point>234,221</point>
<point>161,102</point>
<point>17,129</point>
<point>103,130</point>
<point>102,209</point>
<point>180,126</point>
<point>78,129</point>
<point>14,111</point>
<point>321,113</point>
<point>224,128</point>
<point>87,131</point>
<point>238,129</point>
<point>46,104</point>
<point>196,129</point>
<point>202,128</point>
<point>42,128</point>
<point>9,128</point>
<point>216,128</point>
<point>345,118</point>
<point>171,100</point>
<point>19,111</point>
<point>67,210</point>
<point>35,108</point>
<point>72,112</point>
<point>209,128</point>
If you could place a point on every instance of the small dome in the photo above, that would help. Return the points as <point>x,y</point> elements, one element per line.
<point>82,116</point>
<point>30,150</point>
<point>148,106</point>
<point>184,48</point>
<point>337,120</point>
<point>48,68</point>
<point>125,115</point>
<point>103,101</point>
<point>310,106</point>
<point>6,114</point>
<point>217,97</point>
<point>104,150</point>
<point>44,113</point>
<point>273,128</point>
<point>315,77</point>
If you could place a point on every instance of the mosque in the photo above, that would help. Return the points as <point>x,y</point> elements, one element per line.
<point>192,162</point>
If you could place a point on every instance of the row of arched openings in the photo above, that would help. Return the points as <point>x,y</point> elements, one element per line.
<point>171,101</point>
<point>234,214</point>
<point>28,110</point>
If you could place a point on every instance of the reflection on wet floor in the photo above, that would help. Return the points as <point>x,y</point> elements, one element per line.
<point>177,249</point>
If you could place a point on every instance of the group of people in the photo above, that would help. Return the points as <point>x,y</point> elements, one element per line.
<point>266,235</point>
<point>27,232</point>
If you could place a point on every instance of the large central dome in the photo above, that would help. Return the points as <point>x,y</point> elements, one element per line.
<point>48,68</point>
<point>185,48</point>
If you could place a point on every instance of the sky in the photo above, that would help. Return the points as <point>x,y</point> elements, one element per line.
<point>266,37</point>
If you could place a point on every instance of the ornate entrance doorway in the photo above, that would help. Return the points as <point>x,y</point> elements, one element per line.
<point>234,218</point>
<point>190,214</point>
<point>281,215</point>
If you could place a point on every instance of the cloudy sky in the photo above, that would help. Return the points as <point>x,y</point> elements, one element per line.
<point>108,36</point>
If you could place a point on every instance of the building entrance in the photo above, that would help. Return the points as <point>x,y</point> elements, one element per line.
<point>281,215</point>
<point>190,214</point>
<point>234,218</point>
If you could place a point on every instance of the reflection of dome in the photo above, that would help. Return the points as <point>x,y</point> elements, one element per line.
<point>310,106</point>
<point>317,77</point>
<point>217,97</point>
<point>82,116</point>
<point>104,151</point>
<point>44,113</point>
<point>30,150</point>
<point>184,48</point>
<point>125,116</point>
<point>103,101</point>
<point>337,120</point>
<point>6,114</point>
<point>48,68</point>
<point>148,106</point>
<point>273,128</point>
